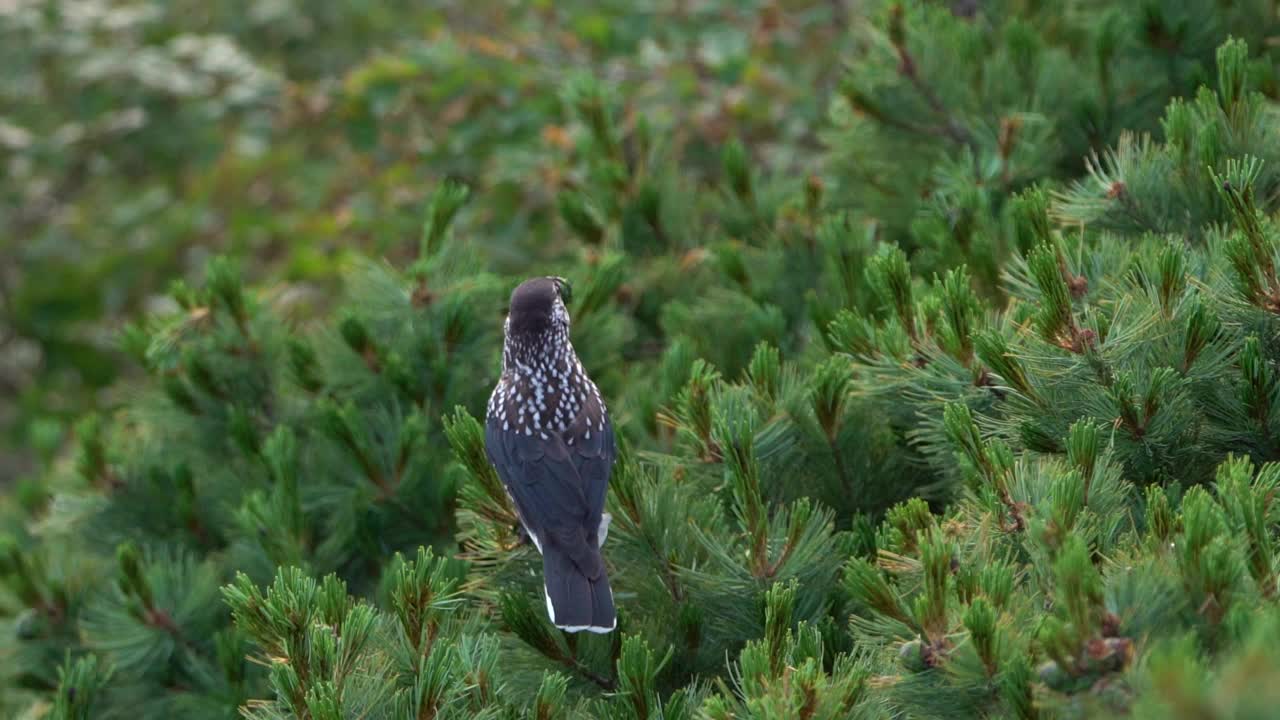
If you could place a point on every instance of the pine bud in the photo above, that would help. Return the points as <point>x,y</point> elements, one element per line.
<point>1252,250</point>
<point>1066,502</point>
<point>443,207</point>
<point>1014,682</point>
<point>79,684</point>
<point>963,432</point>
<point>993,349</point>
<point>780,600</point>
<point>201,374</point>
<point>322,700</point>
<point>135,341</point>
<point>1078,587</point>
<point>588,99</point>
<point>582,216</point>
<point>176,389</point>
<point>867,585</point>
<point>303,364</point>
<point>466,438</point>
<point>860,539</point>
<point>852,334</point>
<point>184,489</point>
<point>1162,387</point>
<point>1180,129</point>
<point>230,648</point>
<point>223,280</point>
<point>355,334</point>
<point>91,461</point>
<point>17,570</point>
<point>548,702</point>
<point>132,579</point>
<point>1161,521</point>
<point>1054,320</point>
<point>519,616</point>
<point>242,429</point>
<point>638,670</point>
<point>961,311</point>
<point>732,263</point>
<point>813,190</point>
<point>1035,436</point>
<point>1259,391</point>
<point>830,395</point>
<point>1172,268</point>
<point>847,249</point>
<point>1121,393</point>
<point>907,519</point>
<point>737,170</point>
<point>404,377</point>
<point>690,626</point>
<point>413,434</point>
<point>980,620</point>
<point>648,203</point>
<point>1083,447</point>
<point>183,295</point>
<point>718,707</point>
<point>936,554</point>
<point>889,274</point>
<point>1203,327</point>
<point>997,583</point>
<point>1233,65</point>
<point>897,30</point>
<point>1248,510</point>
<point>1203,524</point>
<point>1029,216</point>
<point>765,371</point>
<point>693,405</point>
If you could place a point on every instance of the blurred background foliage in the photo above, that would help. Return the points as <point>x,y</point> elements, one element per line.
<point>140,137</point>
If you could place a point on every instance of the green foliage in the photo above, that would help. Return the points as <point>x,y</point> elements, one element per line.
<point>965,425</point>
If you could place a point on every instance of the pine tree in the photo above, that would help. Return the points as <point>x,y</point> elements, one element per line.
<point>859,476</point>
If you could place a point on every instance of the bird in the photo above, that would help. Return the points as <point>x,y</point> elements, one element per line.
<point>549,437</point>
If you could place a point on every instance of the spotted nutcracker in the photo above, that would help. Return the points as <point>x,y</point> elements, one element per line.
<point>548,434</point>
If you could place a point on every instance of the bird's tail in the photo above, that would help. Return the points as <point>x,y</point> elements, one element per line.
<point>576,602</point>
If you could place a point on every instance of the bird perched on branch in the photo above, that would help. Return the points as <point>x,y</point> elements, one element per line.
<point>548,434</point>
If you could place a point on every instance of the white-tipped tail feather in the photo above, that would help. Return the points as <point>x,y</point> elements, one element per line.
<point>551,613</point>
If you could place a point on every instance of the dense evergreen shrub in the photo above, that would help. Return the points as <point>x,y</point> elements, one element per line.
<point>979,418</point>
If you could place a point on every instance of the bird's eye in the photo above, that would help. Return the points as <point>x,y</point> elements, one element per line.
<point>564,289</point>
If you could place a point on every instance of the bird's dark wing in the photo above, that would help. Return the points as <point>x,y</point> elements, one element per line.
<point>592,448</point>
<point>540,473</point>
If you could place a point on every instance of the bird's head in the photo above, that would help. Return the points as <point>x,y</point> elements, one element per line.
<point>537,314</point>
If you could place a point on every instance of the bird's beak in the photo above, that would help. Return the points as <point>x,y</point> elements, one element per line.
<point>564,288</point>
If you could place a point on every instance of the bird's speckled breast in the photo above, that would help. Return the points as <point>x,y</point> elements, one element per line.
<point>551,396</point>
